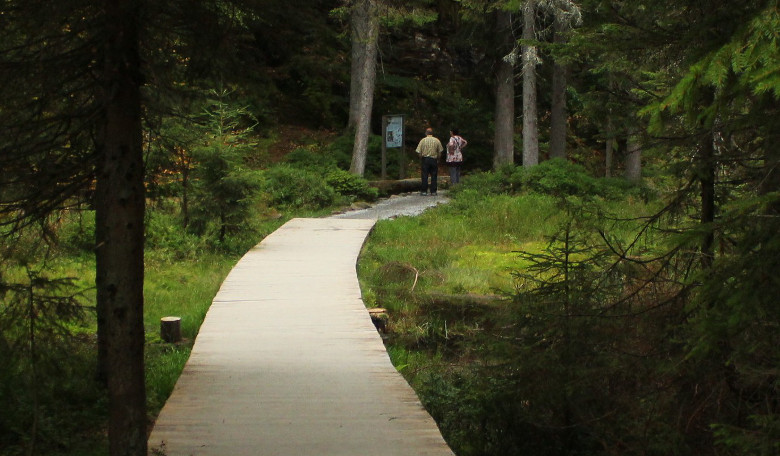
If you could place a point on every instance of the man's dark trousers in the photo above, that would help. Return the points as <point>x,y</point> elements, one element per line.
<point>430,167</point>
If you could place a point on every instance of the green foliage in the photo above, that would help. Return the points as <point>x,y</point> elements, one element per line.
<point>746,67</point>
<point>734,325</point>
<point>47,403</point>
<point>581,317</point>
<point>556,177</point>
<point>78,231</point>
<point>341,150</point>
<point>224,188</point>
<point>489,182</point>
<point>312,160</point>
<point>313,164</point>
<point>348,184</point>
<point>165,237</point>
<point>288,186</point>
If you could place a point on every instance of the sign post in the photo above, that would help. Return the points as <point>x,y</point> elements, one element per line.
<point>393,137</point>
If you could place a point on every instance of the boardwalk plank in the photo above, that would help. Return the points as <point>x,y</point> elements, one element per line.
<point>288,363</point>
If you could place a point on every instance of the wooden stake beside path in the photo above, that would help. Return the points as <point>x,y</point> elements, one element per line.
<point>288,362</point>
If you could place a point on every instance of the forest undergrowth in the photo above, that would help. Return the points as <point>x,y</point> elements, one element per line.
<point>547,313</point>
<point>51,399</point>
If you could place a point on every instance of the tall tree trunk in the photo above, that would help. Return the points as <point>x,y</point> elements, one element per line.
<point>185,194</point>
<point>119,208</point>
<point>558,113</point>
<point>365,33</point>
<point>504,139</point>
<point>771,172</point>
<point>633,159</point>
<point>530,120</point>
<point>707,179</point>
<point>609,152</point>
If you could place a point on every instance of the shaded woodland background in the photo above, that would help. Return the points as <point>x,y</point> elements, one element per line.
<point>186,127</point>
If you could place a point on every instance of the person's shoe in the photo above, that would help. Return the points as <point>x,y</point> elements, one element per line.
<point>423,193</point>
<point>433,193</point>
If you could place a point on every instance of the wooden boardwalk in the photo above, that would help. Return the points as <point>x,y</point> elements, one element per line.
<point>287,361</point>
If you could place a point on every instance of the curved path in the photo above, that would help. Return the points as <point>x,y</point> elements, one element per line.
<point>287,361</point>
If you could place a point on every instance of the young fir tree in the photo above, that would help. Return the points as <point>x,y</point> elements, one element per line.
<point>225,188</point>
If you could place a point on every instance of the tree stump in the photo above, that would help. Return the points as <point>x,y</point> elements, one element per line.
<point>379,318</point>
<point>170,329</point>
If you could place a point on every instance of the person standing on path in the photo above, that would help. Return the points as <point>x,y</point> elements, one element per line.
<point>455,155</point>
<point>429,149</point>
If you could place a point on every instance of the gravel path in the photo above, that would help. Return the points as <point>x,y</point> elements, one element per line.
<point>409,204</point>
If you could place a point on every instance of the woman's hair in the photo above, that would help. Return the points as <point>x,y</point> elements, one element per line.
<point>454,131</point>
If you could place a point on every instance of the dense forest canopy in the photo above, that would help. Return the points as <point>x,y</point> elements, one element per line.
<point>207,108</point>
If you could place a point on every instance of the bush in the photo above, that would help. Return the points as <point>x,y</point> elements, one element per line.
<point>164,236</point>
<point>348,184</point>
<point>617,188</point>
<point>311,160</point>
<point>288,186</point>
<point>558,177</point>
<point>341,150</point>
<point>487,183</point>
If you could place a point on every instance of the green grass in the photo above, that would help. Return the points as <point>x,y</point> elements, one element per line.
<point>183,289</point>
<point>428,271</point>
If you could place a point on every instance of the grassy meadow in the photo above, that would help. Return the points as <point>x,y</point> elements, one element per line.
<point>465,328</point>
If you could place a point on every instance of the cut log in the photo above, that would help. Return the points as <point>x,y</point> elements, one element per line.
<point>170,329</point>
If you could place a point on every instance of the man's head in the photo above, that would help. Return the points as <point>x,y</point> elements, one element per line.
<point>428,131</point>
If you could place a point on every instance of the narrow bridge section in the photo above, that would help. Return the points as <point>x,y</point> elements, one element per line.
<point>287,361</point>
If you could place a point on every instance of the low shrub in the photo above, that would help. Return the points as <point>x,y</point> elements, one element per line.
<point>485,183</point>
<point>341,150</point>
<point>165,236</point>
<point>348,184</point>
<point>289,186</point>
<point>556,177</point>
<point>559,177</point>
<point>311,160</point>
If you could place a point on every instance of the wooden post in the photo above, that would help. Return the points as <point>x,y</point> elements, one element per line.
<point>170,329</point>
<point>384,147</point>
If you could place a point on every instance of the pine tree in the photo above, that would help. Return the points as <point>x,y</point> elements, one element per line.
<point>225,188</point>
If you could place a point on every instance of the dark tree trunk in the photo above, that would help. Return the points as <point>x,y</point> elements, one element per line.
<point>120,230</point>
<point>707,179</point>
<point>185,188</point>
<point>530,117</point>
<point>504,139</point>
<point>609,151</point>
<point>558,113</point>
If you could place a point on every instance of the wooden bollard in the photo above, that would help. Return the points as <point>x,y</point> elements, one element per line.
<point>170,329</point>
